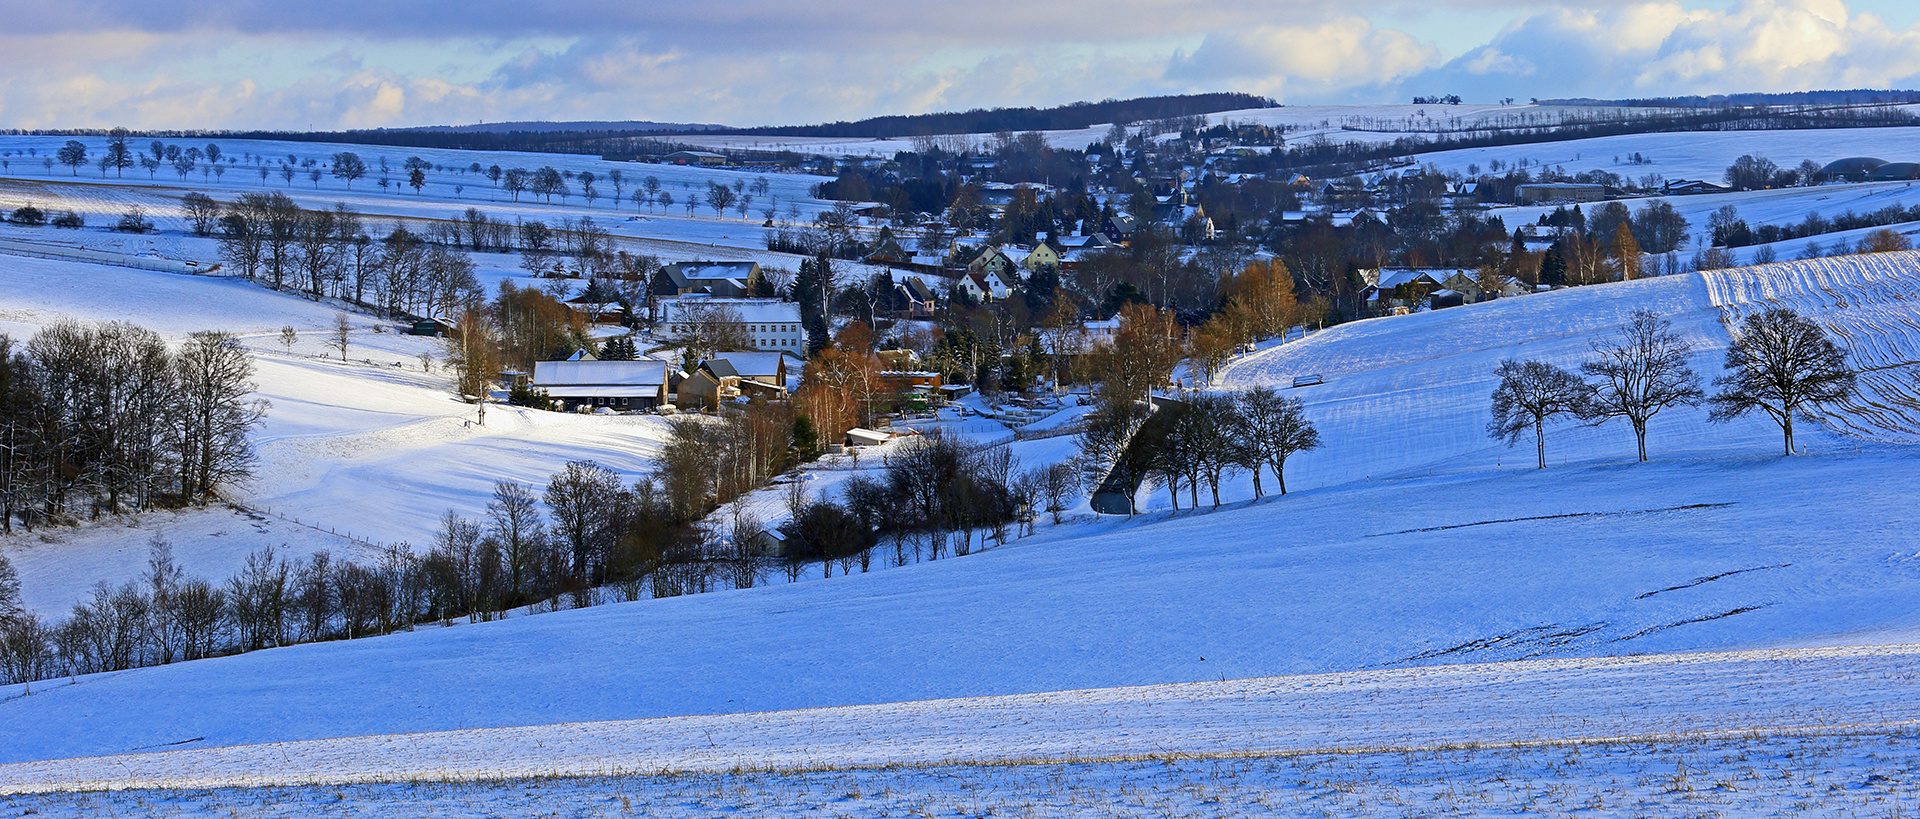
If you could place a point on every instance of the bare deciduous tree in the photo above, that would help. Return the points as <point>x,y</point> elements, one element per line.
<point>1273,429</point>
<point>1530,394</point>
<point>341,335</point>
<point>1640,374</point>
<point>216,379</point>
<point>1784,365</point>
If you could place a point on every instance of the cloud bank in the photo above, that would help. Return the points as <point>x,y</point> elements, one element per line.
<point>357,63</point>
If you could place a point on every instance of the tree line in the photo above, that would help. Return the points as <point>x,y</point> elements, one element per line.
<point>100,419</point>
<point>1780,364</point>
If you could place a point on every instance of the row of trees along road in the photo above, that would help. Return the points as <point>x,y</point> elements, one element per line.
<point>1780,364</point>
<point>102,418</point>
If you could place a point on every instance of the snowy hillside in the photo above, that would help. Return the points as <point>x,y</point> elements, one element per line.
<point>1412,540</point>
<point>101,198</point>
<point>373,447</point>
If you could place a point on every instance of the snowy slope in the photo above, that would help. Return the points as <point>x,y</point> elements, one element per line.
<point>1808,692</point>
<point>373,447</point>
<point>1301,121</point>
<point>1411,540</point>
<point>1605,560</point>
<point>102,198</point>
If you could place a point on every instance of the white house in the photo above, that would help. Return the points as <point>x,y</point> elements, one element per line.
<point>770,324</point>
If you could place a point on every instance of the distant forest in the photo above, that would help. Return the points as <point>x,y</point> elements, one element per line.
<point>1858,96</point>
<point>1063,118</point>
<point>616,137</point>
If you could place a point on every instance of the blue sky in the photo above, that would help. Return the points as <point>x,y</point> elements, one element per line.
<point>358,63</point>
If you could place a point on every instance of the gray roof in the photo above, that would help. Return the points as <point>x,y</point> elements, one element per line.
<point>699,271</point>
<point>753,365</point>
<point>567,375</point>
<point>720,367</point>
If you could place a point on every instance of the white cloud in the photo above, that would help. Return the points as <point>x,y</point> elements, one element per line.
<point>1664,49</point>
<point>357,63</point>
<point>1332,56</point>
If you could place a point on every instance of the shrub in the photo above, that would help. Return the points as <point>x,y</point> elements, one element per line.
<point>70,220</point>
<point>28,215</point>
<point>134,221</point>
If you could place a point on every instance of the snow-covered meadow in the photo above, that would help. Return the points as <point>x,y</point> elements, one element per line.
<point>371,449</point>
<point>1410,540</point>
<point>1412,561</point>
<point>675,232</point>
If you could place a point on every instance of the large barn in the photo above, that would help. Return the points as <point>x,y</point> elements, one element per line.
<point>619,385</point>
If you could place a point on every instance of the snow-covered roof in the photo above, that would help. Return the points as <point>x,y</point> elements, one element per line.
<point>1393,277</point>
<point>701,271</point>
<point>598,375</point>
<point>603,391</point>
<point>754,365</point>
<point>751,310</point>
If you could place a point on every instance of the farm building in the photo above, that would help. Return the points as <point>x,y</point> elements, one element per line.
<point>587,383</point>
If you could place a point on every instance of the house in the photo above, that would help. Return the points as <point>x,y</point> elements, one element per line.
<point>996,261</point>
<point>589,383</point>
<point>889,253</point>
<point>1385,285</point>
<point>873,210</point>
<point>768,542</point>
<point>725,279</point>
<point>1089,337</point>
<point>711,384</point>
<point>1043,255</point>
<point>1468,284</point>
<point>769,324</point>
<point>898,359</point>
<point>983,287</point>
<point>761,373</point>
<point>1688,187</point>
<point>1119,227</point>
<point>1463,194</point>
<point>595,307</point>
<point>694,158</point>
<point>1538,192</point>
<point>907,382</point>
<point>919,298</point>
<point>860,436</point>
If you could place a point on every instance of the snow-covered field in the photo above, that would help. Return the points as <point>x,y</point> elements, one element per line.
<point>1664,698</point>
<point>1304,122</point>
<point>373,447</point>
<point>1414,558</point>
<point>1410,542</point>
<point>1860,774</point>
<point>671,232</point>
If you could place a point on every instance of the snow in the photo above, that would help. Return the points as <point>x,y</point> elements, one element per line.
<point>1421,586</point>
<point>371,450</point>
<point>1410,540</point>
<point>672,234</point>
<point>1842,775</point>
<point>1810,692</point>
<point>1692,154</point>
<point>1303,122</point>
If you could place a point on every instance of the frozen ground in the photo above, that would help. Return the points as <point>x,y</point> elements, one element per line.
<point>1410,539</point>
<point>373,447</point>
<point>1412,552</point>
<point>1866,774</point>
<point>1305,122</point>
<point>672,233</point>
<point>1687,696</point>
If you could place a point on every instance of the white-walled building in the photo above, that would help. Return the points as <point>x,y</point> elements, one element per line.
<point>770,324</point>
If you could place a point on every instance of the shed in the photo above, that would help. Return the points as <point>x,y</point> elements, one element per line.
<point>861,436</point>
